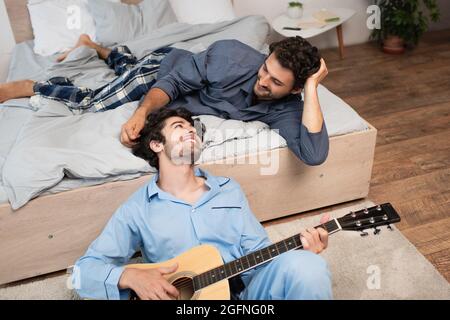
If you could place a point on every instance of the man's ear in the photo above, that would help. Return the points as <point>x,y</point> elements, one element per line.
<point>156,146</point>
<point>296,90</point>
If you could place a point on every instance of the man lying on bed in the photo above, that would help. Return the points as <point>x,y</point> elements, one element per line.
<point>175,212</point>
<point>229,80</point>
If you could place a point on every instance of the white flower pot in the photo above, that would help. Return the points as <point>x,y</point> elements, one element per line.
<point>294,12</point>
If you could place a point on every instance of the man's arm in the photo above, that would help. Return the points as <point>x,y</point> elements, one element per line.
<point>311,148</point>
<point>101,272</point>
<point>96,274</point>
<point>187,74</point>
<point>154,99</point>
<point>312,114</point>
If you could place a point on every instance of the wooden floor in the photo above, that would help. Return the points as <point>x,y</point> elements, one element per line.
<point>407,98</point>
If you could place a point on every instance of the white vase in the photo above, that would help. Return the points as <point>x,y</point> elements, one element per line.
<point>295,12</point>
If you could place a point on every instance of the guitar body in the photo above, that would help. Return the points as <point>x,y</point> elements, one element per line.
<point>191,263</point>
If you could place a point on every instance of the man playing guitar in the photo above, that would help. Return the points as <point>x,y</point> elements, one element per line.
<point>183,207</point>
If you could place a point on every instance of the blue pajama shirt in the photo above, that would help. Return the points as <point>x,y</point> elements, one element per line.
<point>162,227</point>
<point>218,81</point>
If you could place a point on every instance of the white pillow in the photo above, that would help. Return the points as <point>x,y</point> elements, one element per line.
<point>119,22</point>
<point>203,11</point>
<point>57,24</point>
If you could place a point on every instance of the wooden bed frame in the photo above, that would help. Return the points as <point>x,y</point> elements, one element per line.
<point>51,232</point>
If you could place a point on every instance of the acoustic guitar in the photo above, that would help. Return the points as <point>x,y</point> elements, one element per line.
<point>202,275</point>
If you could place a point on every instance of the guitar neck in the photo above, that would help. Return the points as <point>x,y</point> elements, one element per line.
<point>256,258</point>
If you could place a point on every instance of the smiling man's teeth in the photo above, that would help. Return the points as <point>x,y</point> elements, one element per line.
<point>189,139</point>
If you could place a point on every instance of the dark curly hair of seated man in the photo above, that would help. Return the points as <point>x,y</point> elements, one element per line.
<point>298,55</point>
<point>153,131</point>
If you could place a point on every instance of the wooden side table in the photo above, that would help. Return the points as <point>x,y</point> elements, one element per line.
<point>284,21</point>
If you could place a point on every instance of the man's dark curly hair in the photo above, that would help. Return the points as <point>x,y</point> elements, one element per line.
<point>298,55</point>
<point>156,121</point>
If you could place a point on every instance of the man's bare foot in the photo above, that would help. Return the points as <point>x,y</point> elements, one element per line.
<point>83,40</point>
<point>16,89</point>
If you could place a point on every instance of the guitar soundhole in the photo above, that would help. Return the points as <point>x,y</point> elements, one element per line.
<point>185,286</point>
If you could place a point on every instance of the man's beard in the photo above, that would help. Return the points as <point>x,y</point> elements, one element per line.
<point>261,93</point>
<point>184,152</point>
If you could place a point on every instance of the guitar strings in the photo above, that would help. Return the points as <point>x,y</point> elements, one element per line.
<point>186,283</point>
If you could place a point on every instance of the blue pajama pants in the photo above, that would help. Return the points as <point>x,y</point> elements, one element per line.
<point>135,78</point>
<point>293,275</point>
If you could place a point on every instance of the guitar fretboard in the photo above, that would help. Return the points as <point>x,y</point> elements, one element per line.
<point>254,259</point>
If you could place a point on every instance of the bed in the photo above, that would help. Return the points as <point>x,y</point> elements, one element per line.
<point>46,226</point>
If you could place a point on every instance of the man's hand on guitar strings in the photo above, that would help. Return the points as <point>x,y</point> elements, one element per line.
<point>150,284</point>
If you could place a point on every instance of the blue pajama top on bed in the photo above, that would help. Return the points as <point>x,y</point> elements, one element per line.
<point>219,81</point>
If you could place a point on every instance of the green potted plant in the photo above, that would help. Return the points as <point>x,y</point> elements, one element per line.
<point>295,9</point>
<point>403,22</point>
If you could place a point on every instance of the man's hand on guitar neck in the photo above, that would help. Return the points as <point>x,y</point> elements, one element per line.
<point>315,240</point>
<point>149,284</point>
